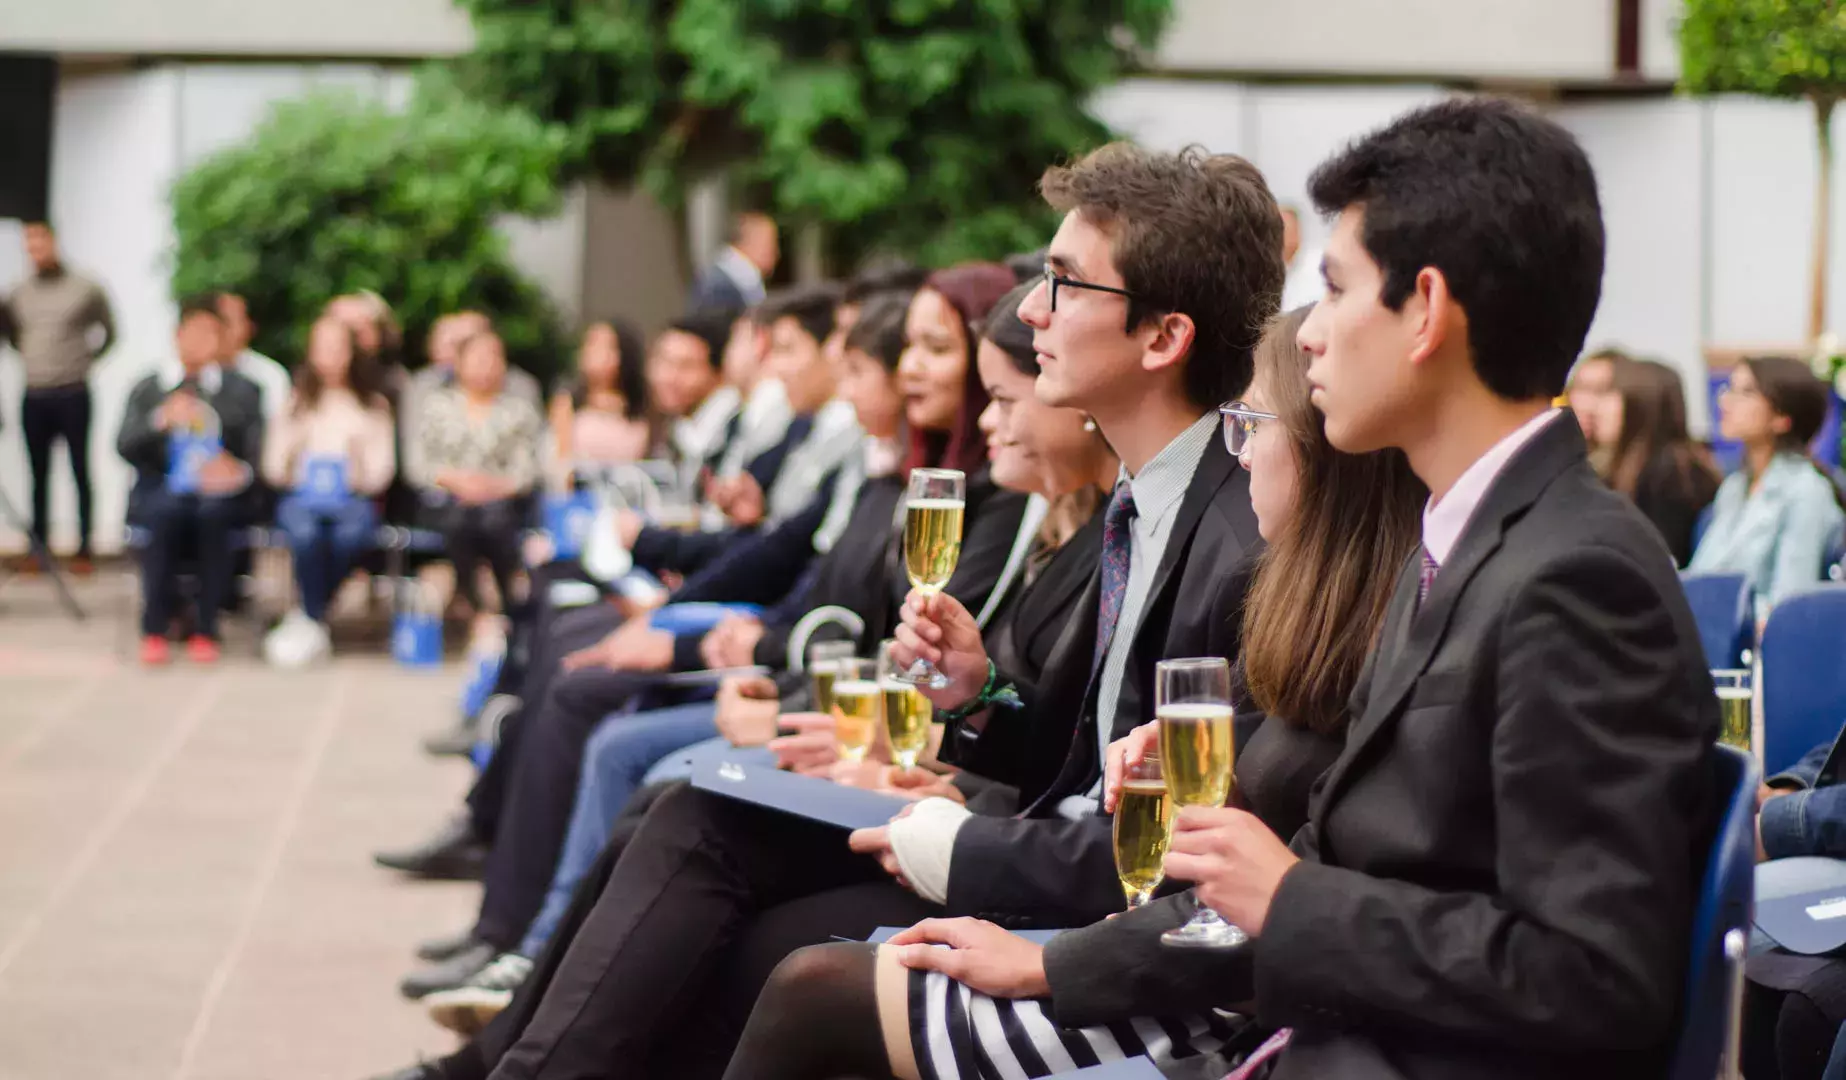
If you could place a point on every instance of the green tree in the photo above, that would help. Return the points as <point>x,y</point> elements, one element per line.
<point>1775,48</point>
<point>912,126</point>
<point>333,193</point>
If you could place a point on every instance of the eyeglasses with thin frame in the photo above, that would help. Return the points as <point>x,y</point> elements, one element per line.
<point>1053,282</point>
<point>1240,422</point>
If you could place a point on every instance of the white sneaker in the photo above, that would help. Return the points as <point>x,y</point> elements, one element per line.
<point>472,1006</point>
<point>296,642</point>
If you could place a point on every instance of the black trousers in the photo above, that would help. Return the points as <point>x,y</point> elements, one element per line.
<point>185,531</point>
<point>45,416</point>
<point>658,977</point>
<point>482,533</point>
<point>540,791</point>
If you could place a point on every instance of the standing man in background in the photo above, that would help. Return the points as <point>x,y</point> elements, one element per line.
<point>271,378</point>
<point>734,280</point>
<point>60,323</point>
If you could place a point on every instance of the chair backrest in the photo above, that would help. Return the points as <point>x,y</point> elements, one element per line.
<point>1721,606</point>
<point>1804,679</point>
<point>1720,925</point>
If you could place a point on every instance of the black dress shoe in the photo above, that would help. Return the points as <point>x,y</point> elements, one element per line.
<point>453,854</point>
<point>438,949</point>
<point>450,973</point>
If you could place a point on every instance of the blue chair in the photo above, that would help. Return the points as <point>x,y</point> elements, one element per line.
<point>1804,674</point>
<point>1721,606</point>
<point>1711,1017</point>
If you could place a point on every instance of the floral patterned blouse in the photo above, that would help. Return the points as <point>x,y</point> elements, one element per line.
<point>503,443</point>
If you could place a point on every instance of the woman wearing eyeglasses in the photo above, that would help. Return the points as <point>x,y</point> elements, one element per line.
<point>1339,528</point>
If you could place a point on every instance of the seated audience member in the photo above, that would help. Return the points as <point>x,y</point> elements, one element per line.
<point>686,385</point>
<point>763,419</point>
<point>1166,266</point>
<point>193,433</point>
<point>381,339</point>
<point>1775,517</point>
<point>1588,393</point>
<point>1652,459</point>
<point>331,453</point>
<point>600,416</point>
<point>1339,528</point>
<point>479,446</point>
<point>1520,915</point>
<point>419,389</point>
<point>944,398</point>
<point>271,378</point>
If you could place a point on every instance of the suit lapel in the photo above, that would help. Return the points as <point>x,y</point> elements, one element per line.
<point>1215,467</point>
<point>1414,633</point>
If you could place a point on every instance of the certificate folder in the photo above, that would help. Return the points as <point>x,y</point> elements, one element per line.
<point>804,796</point>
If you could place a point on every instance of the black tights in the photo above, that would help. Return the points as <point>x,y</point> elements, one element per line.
<point>817,1019</point>
<point>483,533</point>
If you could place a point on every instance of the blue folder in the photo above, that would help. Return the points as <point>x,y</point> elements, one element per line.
<point>804,796</point>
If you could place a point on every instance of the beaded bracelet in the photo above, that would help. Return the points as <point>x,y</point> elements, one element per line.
<point>992,693</point>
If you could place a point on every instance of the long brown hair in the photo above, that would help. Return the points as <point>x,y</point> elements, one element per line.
<point>1322,586</point>
<point>1654,429</point>
<point>362,374</point>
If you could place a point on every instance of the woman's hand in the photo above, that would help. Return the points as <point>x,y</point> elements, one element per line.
<point>1233,858</point>
<point>1128,750</point>
<point>980,956</point>
<point>747,710</point>
<point>939,629</point>
<point>732,643</point>
<point>811,750</point>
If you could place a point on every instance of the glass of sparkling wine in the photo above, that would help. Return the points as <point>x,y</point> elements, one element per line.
<point>1736,692</point>
<point>857,710</point>
<point>1143,824</point>
<point>907,712</point>
<point>823,668</point>
<point>932,546</point>
<point>1192,702</point>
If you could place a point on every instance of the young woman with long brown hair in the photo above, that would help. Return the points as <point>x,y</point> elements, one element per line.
<point>1339,527</point>
<point>1652,459</point>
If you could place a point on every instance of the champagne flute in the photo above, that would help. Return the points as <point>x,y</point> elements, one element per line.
<point>1143,825</point>
<point>856,707</point>
<point>907,712</point>
<point>932,546</point>
<point>1736,695</point>
<point>1192,702</point>
<point>823,668</point>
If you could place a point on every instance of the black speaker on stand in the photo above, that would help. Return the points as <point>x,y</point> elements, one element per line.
<point>28,85</point>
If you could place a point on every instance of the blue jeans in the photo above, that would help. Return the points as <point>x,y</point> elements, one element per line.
<point>325,542</point>
<point>615,761</point>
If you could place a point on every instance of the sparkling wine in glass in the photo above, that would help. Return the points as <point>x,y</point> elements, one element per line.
<point>1143,825</point>
<point>933,513</point>
<point>907,712</point>
<point>823,668</point>
<point>857,709</point>
<point>1192,703</point>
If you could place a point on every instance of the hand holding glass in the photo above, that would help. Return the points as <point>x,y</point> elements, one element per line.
<point>1192,703</point>
<point>1143,825</point>
<point>932,546</point>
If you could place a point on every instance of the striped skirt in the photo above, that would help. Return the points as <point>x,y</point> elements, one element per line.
<point>962,1034</point>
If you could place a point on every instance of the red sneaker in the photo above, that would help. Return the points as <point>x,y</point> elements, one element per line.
<point>201,649</point>
<point>154,651</point>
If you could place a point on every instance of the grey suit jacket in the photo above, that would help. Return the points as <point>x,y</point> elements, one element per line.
<point>1498,874</point>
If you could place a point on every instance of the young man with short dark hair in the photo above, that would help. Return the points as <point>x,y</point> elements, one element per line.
<point>1498,874</point>
<point>189,506</point>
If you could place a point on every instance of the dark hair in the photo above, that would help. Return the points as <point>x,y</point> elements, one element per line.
<point>811,306</point>
<point>1027,266</point>
<point>1014,338</point>
<point>630,369</point>
<point>879,333</point>
<point>971,290</point>
<point>1192,233</point>
<point>1792,390</point>
<point>710,325</point>
<point>1503,203</point>
<point>1322,586</point>
<point>199,304</point>
<point>1654,435</point>
<point>362,374</point>
<point>886,273</point>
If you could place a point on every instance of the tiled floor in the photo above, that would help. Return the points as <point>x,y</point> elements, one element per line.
<point>186,889</point>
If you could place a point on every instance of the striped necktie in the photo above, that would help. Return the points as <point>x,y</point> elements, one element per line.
<point>1117,537</point>
<point>1427,578</point>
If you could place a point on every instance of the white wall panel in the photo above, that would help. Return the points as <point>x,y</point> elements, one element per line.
<point>237,27</point>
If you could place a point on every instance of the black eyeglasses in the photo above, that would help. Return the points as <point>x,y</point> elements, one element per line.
<point>1240,423</point>
<point>1053,282</point>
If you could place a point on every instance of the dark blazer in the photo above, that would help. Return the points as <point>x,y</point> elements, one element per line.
<point>713,290</point>
<point>1040,869</point>
<point>237,402</point>
<point>1498,874</point>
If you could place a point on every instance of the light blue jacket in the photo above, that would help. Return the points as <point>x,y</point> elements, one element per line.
<point>1777,536</point>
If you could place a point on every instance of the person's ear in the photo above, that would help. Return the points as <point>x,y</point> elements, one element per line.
<point>1432,315</point>
<point>1169,339</point>
<point>1780,424</point>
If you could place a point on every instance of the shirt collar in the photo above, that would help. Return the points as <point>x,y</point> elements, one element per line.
<point>742,272</point>
<point>1163,481</point>
<point>172,373</point>
<point>1444,521</point>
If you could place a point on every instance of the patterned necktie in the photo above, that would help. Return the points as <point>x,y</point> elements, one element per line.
<point>1427,578</point>
<point>1116,537</point>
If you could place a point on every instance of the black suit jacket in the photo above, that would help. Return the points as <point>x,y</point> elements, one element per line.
<point>235,399</point>
<point>1040,869</point>
<point>1498,873</point>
